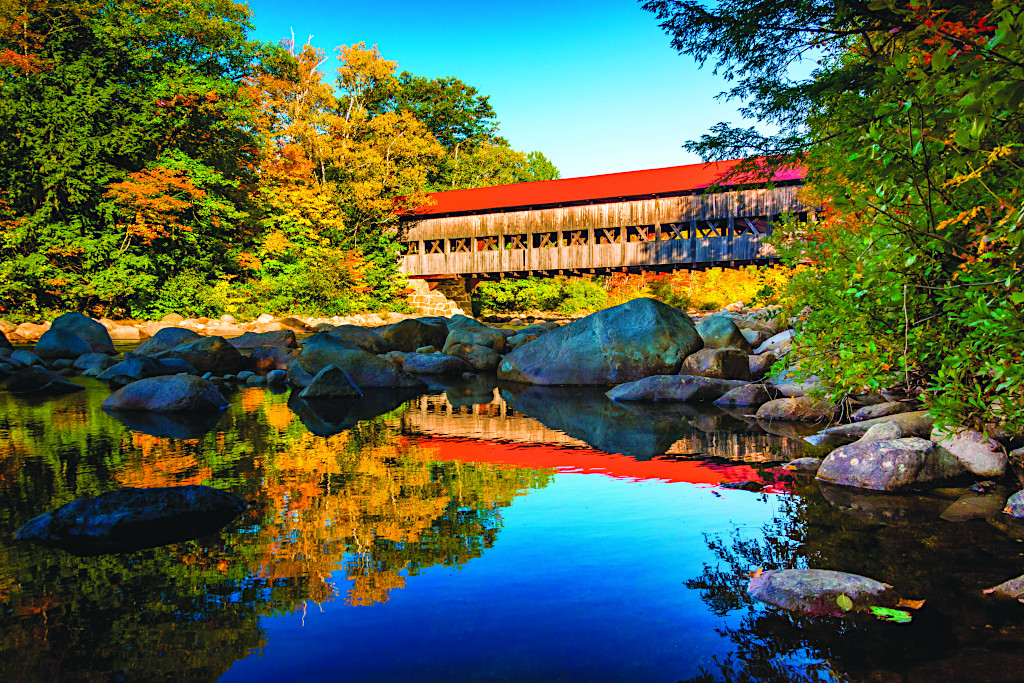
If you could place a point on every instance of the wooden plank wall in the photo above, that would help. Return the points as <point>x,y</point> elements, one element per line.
<point>662,231</point>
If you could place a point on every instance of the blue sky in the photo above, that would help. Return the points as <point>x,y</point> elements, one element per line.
<point>594,85</point>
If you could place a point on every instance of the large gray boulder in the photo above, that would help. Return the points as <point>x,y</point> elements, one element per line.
<point>409,335</point>
<point>166,339</point>
<point>748,395</point>
<point>728,363</point>
<point>980,454</point>
<point>625,343</point>
<point>169,393</point>
<point>760,366</point>
<point>915,423</point>
<point>331,382</point>
<point>365,339</point>
<point>890,465</point>
<point>131,519</point>
<point>480,358</point>
<point>208,354</point>
<point>434,364</point>
<point>798,409</point>
<point>817,592</point>
<point>365,369</point>
<point>251,340</point>
<point>480,336</point>
<point>85,328</point>
<point>94,360</point>
<point>720,332</point>
<point>61,344</point>
<point>673,388</point>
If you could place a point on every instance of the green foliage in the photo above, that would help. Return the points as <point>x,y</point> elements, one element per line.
<point>568,296</point>
<point>582,296</point>
<point>911,129</point>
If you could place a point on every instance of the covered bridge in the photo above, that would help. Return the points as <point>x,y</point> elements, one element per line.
<point>658,219</point>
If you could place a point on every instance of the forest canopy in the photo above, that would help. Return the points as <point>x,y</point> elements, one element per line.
<point>156,159</point>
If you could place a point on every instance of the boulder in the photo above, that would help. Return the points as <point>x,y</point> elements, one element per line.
<point>817,592</point>
<point>131,519</point>
<point>168,393</point>
<point>799,409</point>
<point>331,382</point>
<point>480,336</point>
<point>780,344</point>
<point>978,453</point>
<point>625,343</point>
<point>760,366</point>
<point>61,344</point>
<point>29,331</point>
<point>435,364</point>
<point>365,369</point>
<point>135,367</point>
<point>25,357</point>
<point>720,332</point>
<point>277,377</point>
<point>165,339</point>
<point>882,431</point>
<point>673,388</point>
<point>1015,505</point>
<point>38,380</point>
<point>409,335</point>
<point>975,505</point>
<point>479,358</point>
<point>294,324</point>
<point>251,340</point>
<point>877,410</point>
<point>890,465</point>
<point>87,329</point>
<point>365,339</point>
<point>463,322</point>
<point>172,319</point>
<point>748,395</point>
<point>1012,589</point>
<point>208,354</point>
<point>517,340</point>
<point>719,363</point>
<point>915,423</point>
<point>803,465</point>
<point>94,360</point>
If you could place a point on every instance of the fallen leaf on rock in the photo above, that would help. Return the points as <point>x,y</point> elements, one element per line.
<point>910,604</point>
<point>756,573</point>
<point>889,614</point>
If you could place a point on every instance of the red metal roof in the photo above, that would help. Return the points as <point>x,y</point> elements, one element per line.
<point>655,181</point>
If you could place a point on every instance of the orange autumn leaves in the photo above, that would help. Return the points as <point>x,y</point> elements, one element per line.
<point>157,201</point>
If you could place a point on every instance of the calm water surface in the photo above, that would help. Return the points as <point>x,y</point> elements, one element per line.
<point>481,533</point>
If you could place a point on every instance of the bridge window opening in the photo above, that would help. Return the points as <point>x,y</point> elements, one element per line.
<point>675,231</point>
<point>460,245</point>
<point>753,226</point>
<point>609,236</point>
<point>576,238</point>
<point>433,246</point>
<point>515,241</point>
<point>640,233</point>
<point>487,244</point>
<point>545,240</point>
<point>711,229</point>
<point>410,248</point>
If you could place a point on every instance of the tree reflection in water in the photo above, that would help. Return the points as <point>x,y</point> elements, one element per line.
<point>365,505</point>
<point>921,554</point>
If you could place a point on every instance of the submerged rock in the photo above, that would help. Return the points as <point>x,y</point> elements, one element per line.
<point>38,380</point>
<point>673,388</point>
<point>890,464</point>
<point>817,592</point>
<point>131,519</point>
<point>169,393</point>
<point>885,508</point>
<point>625,343</point>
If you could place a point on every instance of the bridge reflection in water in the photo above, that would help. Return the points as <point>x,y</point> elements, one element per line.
<point>579,429</point>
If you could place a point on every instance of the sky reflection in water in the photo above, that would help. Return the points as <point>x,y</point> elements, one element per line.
<point>481,534</point>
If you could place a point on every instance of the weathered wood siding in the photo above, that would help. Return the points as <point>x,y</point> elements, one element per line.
<point>663,231</point>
